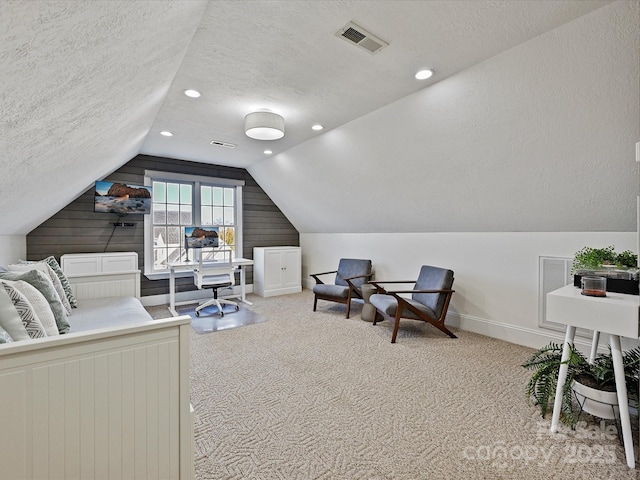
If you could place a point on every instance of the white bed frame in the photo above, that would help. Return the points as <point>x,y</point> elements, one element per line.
<point>111,403</point>
<point>98,275</point>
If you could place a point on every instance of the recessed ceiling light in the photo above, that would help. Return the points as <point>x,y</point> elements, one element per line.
<point>424,74</point>
<point>268,152</point>
<point>192,93</point>
<point>166,133</point>
<point>317,127</point>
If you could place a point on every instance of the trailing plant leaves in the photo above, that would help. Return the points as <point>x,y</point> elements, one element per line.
<point>541,388</point>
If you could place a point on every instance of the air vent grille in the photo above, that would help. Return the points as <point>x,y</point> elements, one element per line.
<point>353,35</point>
<point>359,37</point>
<point>222,144</point>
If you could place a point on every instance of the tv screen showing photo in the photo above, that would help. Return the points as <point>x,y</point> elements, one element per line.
<point>122,198</point>
<point>201,237</point>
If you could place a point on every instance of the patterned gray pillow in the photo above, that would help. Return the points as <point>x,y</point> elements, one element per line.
<point>42,282</point>
<point>66,285</point>
<point>9,319</point>
<point>63,278</point>
<point>45,268</point>
<point>29,319</point>
<point>39,304</point>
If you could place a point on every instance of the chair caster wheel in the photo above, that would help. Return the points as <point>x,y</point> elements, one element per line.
<point>237,308</point>
<point>197,313</point>
<point>221,314</point>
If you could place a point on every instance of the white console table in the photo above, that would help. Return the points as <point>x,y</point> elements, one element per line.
<point>616,314</point>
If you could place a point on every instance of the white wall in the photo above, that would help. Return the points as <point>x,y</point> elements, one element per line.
<point>496,274</point>
<point>12,248</point>
<point>528,154</point>
<point>538,138</point>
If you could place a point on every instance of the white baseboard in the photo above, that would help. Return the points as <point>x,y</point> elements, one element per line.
<point>529,337</point>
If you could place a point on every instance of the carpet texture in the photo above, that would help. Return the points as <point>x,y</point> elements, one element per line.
<point>316,396</point>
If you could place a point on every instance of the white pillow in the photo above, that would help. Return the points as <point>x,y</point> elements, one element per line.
<point>45,268</point>
<point>39,304</point>
<point>30,320</point>
<point>10,321</point>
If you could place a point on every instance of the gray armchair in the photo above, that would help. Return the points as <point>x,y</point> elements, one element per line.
<point>352,273</point>
<point>429,300</point>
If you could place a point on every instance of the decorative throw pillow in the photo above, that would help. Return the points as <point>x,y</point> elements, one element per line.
<point>29,319</point>
<point>66,285</point>
<point>4,336</point>
<point>53,263</point>
<point>42,282</point>
<point>46,268</point>
<point>10,320</point>
<point>39,304</point>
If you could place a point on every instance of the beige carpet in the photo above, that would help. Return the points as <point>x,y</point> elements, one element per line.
<point>316,396</point>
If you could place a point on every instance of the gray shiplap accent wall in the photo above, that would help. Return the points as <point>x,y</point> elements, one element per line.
<point>78,229</point>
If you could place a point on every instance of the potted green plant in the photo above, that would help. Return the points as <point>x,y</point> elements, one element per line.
<point>592,383</point>
<point>620,269</point>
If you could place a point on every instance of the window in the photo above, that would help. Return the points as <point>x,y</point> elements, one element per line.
<point>180,201</point>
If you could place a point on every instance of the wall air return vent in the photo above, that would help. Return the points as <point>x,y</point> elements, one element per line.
<point>359,37</point>
<point>222,144</point>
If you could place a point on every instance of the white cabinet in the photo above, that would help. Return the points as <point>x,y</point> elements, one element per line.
<point>276,270</point>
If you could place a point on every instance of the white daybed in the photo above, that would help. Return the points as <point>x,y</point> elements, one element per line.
<point>108,400</point>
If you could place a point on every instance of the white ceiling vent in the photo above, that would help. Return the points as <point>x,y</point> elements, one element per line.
<point>358,36</point>
<point>222,144</point>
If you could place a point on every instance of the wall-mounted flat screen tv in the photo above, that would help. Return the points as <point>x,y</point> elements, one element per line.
<point>201,237</point>
<point>122,198</point>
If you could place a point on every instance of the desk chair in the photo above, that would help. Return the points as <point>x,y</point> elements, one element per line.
<point>215,275</point>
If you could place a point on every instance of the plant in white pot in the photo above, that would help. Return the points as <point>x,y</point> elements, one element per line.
<point>593,384</point>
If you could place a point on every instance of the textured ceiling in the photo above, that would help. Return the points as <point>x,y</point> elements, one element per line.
<point>88,85</point>
<point>284,56</point>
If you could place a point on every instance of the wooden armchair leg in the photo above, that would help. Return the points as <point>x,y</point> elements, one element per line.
<point>395,328</point>
<point>440,326</point>
<point>315,302</point>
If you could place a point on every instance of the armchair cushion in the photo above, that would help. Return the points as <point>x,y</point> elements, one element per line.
<point>331,290</point>
<point>388,305</point>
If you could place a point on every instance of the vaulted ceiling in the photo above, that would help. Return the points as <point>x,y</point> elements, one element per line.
<point>86,86</point>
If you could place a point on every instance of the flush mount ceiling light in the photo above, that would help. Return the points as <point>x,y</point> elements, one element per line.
<point>192,93</point>
<point>424,74</point>
<point>264,126</point>
<point>166,133</point>
<point>317,127</point>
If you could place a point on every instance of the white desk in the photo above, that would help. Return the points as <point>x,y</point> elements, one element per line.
<point>616,314</point>
<point>239,262</point>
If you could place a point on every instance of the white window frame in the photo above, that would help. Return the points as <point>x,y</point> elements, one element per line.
<point>197,180</point>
